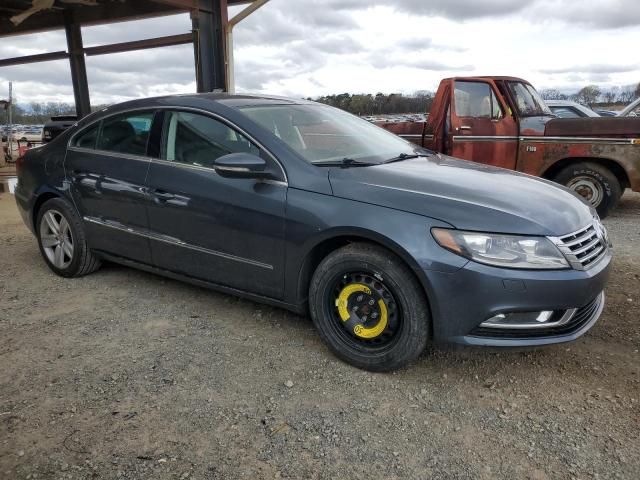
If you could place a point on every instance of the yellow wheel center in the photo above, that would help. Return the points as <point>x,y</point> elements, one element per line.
<point>342,302</point>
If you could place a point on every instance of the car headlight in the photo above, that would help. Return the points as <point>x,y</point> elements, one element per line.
<point>507,251</point>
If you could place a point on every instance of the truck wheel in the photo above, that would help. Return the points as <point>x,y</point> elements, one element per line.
<point>369,308</point>
<point>595,183</point>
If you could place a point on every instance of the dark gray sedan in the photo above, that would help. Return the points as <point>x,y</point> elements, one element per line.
<point>306,207</point>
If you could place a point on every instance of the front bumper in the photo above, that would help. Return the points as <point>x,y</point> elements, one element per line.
<point>461,301</point>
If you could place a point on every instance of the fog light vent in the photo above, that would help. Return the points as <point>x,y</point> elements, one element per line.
<point>542,319</point>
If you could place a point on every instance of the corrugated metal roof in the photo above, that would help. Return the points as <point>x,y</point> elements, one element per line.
<point>95,12</point>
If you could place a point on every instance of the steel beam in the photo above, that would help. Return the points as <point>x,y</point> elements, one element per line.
<point>78,67</point>
<point>100,14</point>
<point>230,62</point>
<point>157,42</point>
<point>209,21</point>
<point>40,57</point>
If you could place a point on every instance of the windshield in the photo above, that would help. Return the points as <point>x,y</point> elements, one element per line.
<point>528,101</point>
<point>324,134</point>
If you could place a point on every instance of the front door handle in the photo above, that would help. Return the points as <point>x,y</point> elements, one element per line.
<point>161,195</point>
<point>464,127</point>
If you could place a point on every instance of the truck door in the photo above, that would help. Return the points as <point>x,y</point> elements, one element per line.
<point>481,126</point>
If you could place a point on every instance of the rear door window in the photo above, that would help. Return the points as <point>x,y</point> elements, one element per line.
<point>88,138</point>
<point>126,133</point>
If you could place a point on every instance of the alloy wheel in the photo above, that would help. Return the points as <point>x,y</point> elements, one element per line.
<point>56,239</point>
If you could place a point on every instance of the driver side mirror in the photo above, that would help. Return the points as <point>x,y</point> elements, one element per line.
<point>242,165</point>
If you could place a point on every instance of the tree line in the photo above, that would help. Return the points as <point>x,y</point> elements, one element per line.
<point>36,113</point>
<point>593,94</point>
<point>359,104</point>
<point>420,102</point>
<point>380,103</point>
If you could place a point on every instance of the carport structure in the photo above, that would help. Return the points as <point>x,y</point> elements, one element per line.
<point>211,34</point>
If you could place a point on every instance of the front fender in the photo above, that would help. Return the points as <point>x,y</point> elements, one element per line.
<point>338,221</point>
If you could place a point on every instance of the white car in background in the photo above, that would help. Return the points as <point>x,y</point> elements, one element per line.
<point>631,110</point>
<point>569,109</point>
<point>28,133</point>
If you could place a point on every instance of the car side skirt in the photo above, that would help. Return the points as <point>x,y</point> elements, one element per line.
<point>300,309</point>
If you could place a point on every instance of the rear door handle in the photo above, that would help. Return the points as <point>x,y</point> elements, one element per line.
<point>464,127</point>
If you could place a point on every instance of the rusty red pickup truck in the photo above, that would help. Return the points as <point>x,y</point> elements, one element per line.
<point>503,121</point>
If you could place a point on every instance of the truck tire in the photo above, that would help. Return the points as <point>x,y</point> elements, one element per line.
<point>595,183</point>
<point>369,308</point>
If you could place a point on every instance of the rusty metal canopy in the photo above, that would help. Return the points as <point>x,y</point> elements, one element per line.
<point>88,12</point>
<point>210,34</point>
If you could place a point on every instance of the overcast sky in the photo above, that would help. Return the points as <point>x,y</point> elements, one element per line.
<point>308,48</point>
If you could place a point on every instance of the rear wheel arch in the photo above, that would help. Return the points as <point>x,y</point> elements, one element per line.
<point>40,200</point>
<point>612,165</point>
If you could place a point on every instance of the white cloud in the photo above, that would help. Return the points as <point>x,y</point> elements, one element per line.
<point>314,47</point>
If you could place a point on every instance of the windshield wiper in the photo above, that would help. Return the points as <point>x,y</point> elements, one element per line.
<point>344,162</point>
<point>404,156</point>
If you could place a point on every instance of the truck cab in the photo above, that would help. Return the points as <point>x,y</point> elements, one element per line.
<point>503,121</point>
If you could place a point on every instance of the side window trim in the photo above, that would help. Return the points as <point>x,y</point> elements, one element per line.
<point>261,147</point>
<point>154,143</point>
<point>495,103</point>
<point>71,144</point>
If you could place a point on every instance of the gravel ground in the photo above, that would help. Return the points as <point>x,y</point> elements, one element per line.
<point>127,375</point>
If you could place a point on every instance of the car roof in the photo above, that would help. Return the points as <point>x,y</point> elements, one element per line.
<point>231,100</point>
<point>561,102</point>
<point>209,101</point>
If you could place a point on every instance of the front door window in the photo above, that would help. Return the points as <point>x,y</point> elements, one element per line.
<point>199,140</point>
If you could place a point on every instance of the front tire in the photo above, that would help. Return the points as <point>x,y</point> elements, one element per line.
<point>62,240</point>
<point>369,308</point>
<point>595,183</point>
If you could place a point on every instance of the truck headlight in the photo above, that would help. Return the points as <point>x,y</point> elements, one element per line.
<point>507,251</point>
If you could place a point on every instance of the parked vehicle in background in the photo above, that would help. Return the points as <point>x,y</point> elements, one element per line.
<point>304,206</point>
<point>503,121</point>
<point>56,126</point>
<point>28,134</point>
<point>569,109</point>
<point>631,110</point>
<point>606,113</point>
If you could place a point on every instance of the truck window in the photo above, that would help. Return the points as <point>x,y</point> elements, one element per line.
<point>476,99</point>
<point>528,102</point>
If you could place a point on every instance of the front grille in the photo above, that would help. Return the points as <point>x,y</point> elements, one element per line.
<point>585,247</point>
<point>581,317</point>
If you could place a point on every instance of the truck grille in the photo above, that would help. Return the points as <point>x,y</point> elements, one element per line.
<point>585,247</point>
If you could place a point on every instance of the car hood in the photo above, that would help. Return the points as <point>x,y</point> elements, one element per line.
<point>467,195</point>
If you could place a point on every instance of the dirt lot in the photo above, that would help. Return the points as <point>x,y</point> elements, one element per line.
<point>124,374</point>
